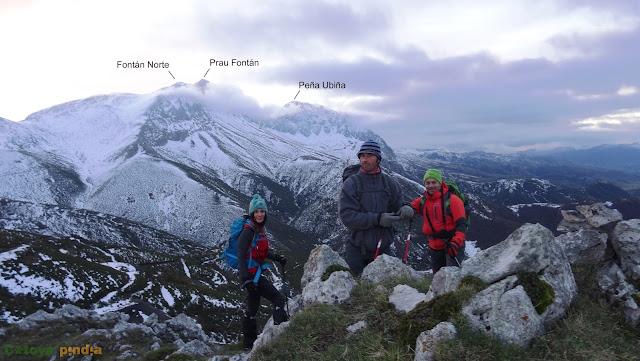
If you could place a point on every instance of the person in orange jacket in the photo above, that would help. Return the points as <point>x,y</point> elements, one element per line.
<point>444,225</point>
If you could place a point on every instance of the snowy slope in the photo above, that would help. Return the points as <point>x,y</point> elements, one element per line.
<point>171,160</point>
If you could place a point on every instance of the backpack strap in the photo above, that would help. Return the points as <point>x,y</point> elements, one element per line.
<point>359,190</point>
<point>442,234</point>
<point>259,271</point>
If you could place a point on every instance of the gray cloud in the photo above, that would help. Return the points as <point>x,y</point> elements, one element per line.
<point>520,103</point>
<point>292,28</point>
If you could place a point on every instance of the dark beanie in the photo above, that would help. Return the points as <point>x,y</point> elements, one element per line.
<point>370,147</point>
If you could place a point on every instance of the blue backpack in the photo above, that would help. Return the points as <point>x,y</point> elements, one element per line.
<point>230,253</point>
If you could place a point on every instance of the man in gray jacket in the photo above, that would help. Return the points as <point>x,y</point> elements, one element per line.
<point>369,203</point>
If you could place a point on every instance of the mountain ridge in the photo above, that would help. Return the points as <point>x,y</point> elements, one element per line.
<point>174,161</point>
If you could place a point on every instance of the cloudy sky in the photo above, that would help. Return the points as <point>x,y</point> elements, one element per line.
<point>498,76</point>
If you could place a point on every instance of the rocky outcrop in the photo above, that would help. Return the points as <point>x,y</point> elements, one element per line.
<point>595,234</point>
<point>598,215</point>
<point>115,329</point>
<point>626,243</point>
<point>504,310</point>
<point>584,246</point>
<point>320,259</point>
<point>335,289</point>
<point>613,283</point>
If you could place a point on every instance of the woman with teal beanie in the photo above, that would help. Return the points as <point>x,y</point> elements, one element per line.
<point>250,265</point>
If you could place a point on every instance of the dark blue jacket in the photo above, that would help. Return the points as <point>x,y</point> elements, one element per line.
<point>359,210</point>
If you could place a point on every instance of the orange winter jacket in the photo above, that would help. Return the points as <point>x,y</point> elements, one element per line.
<point>455,221</point>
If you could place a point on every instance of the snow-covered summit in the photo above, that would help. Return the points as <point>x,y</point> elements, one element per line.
<point>182,152</point>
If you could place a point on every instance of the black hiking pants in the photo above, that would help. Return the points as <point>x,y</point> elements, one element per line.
<point>441,258</point>
<point>358,261</point>
<point>267,290</point>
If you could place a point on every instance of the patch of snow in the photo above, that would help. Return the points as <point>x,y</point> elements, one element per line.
<point>220,303</point>
<point>186,269</point>
<point>167,296</point>
<point>471,248</point>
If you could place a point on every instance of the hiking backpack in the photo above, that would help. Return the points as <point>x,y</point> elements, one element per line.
<point>352,170</point>
<point>453,188</point>
<point>230,253</point>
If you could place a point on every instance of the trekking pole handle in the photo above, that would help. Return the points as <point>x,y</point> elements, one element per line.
<point>378,249</point>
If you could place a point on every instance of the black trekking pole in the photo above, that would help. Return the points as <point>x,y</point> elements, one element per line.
<point>446,250</point>
<point>238,310</point>
<point>285,291</point>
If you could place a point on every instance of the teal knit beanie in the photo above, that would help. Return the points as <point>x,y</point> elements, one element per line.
<point>432,173</point>
<point>257,203</point>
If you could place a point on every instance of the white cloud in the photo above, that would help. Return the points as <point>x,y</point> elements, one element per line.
<point>627,90</point>
<point>618,121</point>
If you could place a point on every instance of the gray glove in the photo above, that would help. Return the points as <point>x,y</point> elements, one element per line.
<point>387,219</point>
<point>406,212</point>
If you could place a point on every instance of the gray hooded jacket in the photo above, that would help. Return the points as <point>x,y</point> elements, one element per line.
<point>359,212</point>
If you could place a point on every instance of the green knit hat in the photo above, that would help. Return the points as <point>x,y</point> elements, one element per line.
<point>432,173</point>
<point>257,203</point>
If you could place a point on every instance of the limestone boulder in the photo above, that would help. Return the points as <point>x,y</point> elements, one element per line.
<point>585,246</point>
<point>626,243</point>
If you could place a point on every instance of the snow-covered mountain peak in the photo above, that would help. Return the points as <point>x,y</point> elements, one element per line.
<point>303,106</point>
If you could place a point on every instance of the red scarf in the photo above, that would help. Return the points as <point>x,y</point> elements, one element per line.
<point>375,171</point>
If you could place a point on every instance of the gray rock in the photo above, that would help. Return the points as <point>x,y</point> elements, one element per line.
<point>269,333</point>
<point>531,248</point>
<point>565,226</point>
<point>386,267</point>
<point>127,355</point>
<point>195,348</point>
<point>115,317</point>
<point>336,289</point>
<point>361,325</point>
<point>585,246</point>
<point>72,312</point>
<point>626,243</point>
<point>445,280</point>
<point>573,216</point>
<point>186,327</point>
<point>26,325</point>
<point>480,309</point>
<point>92,332</point>
<point>151,320</point>
<point>427,341</point>
<point>319,260</point>
<point>613,282</point>
<point>43,316</point>
<point>599,215</point>
<point>515,320</point>
<point>406,298</point>
<point>125,328</point>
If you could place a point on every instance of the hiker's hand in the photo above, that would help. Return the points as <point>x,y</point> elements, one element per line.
<point>387,219</point>
<point>406,212</point>
<point>281,258</point>
<point>250,286</point>
<point>453,248</point>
